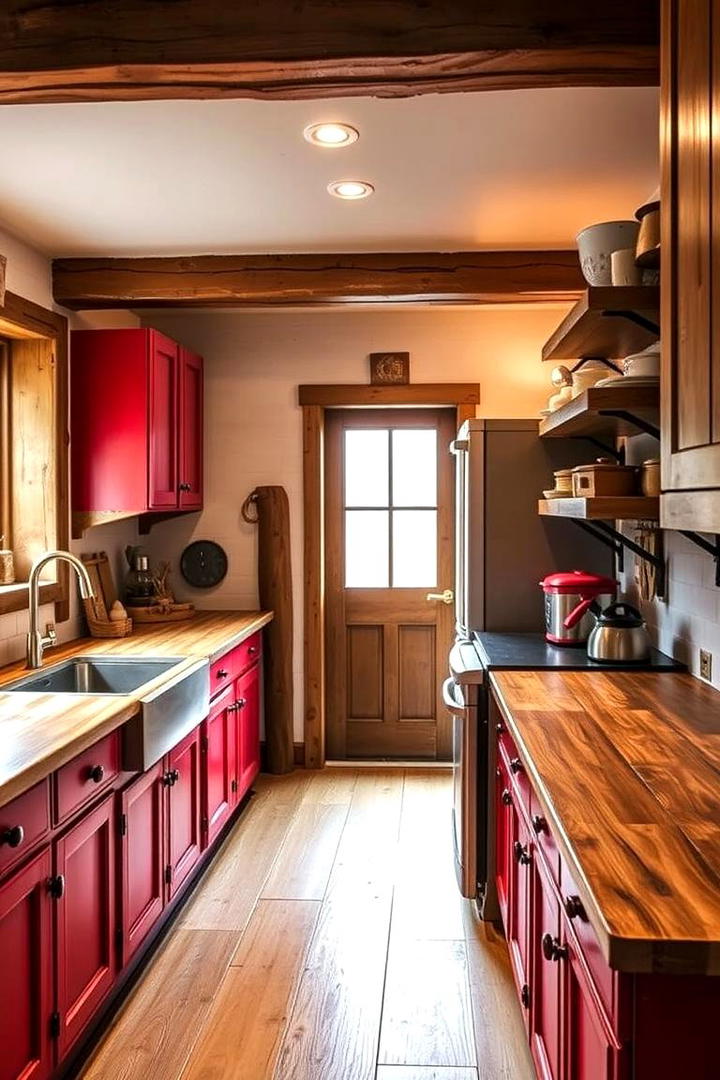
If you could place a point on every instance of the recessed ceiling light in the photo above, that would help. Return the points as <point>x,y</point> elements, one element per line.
<point>331,135</point>
<point>350,189</point>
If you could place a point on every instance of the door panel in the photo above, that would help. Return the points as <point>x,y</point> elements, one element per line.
<point>248,719</point>
<point>546,978</point>
<point>220,763</point>
<point>163,493</point>
<point>190,453</point>
<point>85,857</point>
<point>26,991</point>
<point>183,810</point>
<point>142,858</point>
<point>389,516</point>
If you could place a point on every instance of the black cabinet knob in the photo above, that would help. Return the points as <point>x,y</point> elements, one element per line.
<point>12,837</point>
<point>253,650</point>
<point>500,728</point>
<point>506,797</point>
<point>516,765</point>
<point>525,996</point>
<point>186,487</point>
<point>241,702</point>
<point>574,908</point>
<point>521,853</point>
<point>171,777</point>
<point>552,949</point>
<point>222,673</point>
<point>97,773</point>
<point>56,887</point>
<point>539,824</point>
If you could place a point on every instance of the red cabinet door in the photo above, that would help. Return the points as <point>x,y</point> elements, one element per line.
<point>219,763</point>
<point>190,450</point>
<point>518,929</point>
<point>504,828</point>
<point>591,1051</point>
<point>163,423</point>
<point>548,959</point>
<point>85,869</point>
<point>142,858</point>
<point>183,810</point>
<point>26,993</point>
<point>247,689</point>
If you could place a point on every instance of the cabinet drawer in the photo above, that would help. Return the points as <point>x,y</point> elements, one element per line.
<point>604,979</point>
<point>87,774</point>
<point>23,822</point>
<point>234,663</point>
<point>516,769</point>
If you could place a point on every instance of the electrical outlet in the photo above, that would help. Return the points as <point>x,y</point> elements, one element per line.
<point>705,664</point>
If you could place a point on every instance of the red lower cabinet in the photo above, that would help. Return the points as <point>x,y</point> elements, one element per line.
<point>247,691</point>
<point>547,963</point>
<point>142,830</point>
<point>26,990</point>
<point>504,835</point>
<point>519,929</point>
<point>220,768</point>
<point>183,810</point>
<point>592,1053</point>
<point>84,889</point>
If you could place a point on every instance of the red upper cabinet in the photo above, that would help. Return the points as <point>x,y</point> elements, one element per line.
<point>190,442</point>
<point>26,992</point>
<point>136,423</point>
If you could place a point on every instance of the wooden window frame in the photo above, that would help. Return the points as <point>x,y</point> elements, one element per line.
<point>23,320</point>
<point>314,400</point>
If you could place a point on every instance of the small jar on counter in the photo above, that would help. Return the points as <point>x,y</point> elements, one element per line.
<point>7,565</point>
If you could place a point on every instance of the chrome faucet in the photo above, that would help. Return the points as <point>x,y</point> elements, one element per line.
<point>37,642</point>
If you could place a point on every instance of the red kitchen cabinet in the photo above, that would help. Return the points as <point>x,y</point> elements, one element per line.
<point>26,991</point>
<point>182,806</point>
<point>504,835</point>
<point>247,690</point>
<point>190,444</point>
<point>592,1053</point>
<point>136,423</point>
<point>548,957</point>
<point>519,929</point>
<point>220,763</point>
<point>84,891</point>
<point>142,830</point>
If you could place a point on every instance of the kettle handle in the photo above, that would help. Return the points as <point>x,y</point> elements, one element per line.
<point>623,609</point>
<point>577,612</point>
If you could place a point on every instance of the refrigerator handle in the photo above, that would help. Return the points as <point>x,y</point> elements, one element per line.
<point>459,446</point>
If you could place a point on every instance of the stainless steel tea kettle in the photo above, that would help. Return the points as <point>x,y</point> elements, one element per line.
<point>619,635</point>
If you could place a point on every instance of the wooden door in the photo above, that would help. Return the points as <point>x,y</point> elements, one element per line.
<point>183,810</point>
<point>247,691</point>
<point>389,517</point>
<point>190,443</point>
<point>219,763</point>
<point>163,423</point>
<point>26,992</point>
<point>690,252</point>
<point>85,865</point>
<point>142,862</point>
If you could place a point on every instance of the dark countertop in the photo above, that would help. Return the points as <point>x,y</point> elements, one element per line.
<point>518,652</point>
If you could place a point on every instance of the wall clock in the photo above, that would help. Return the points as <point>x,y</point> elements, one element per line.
<point>203,564</point>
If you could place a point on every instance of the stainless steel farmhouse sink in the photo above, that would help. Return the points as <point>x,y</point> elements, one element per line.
<point>168,711</point>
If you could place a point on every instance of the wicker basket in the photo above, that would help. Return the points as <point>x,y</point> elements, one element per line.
<point>104,628</point>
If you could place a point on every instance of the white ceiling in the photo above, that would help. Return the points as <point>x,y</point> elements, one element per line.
<point>522,168</point>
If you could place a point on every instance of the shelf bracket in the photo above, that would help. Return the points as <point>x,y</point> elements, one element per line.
<point>706,545</point>
<point>637,318</point>
<point>618,541</point>
<point>637,421</point>
<point>618,455</point>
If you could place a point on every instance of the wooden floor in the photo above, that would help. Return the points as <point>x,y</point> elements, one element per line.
<point>327,942</point>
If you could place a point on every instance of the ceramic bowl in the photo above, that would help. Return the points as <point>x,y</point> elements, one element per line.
<point>596,243</point>
<point>643,364</point>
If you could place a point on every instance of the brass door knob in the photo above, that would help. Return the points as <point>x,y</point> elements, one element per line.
<point>447,596</point>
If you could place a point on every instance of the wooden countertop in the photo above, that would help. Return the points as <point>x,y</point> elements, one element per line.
<point>40,732</point>
<point>627,767</point>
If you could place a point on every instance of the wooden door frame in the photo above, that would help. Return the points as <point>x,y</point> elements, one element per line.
<point>314,400</point>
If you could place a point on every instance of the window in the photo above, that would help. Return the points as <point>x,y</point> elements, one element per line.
<point>390,508</point>
<point>33,447</point>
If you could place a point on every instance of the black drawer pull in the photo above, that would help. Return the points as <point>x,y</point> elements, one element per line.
<point>552,949</point>
<point>521,853</point>
<point>12,837</point>
<point>539,824</point>
<point>171,777</point>
<point>56,887</point>
<point>574,908</point>
<point>516,765</point>
<point>253,650</point>
<point>97,774</point>
<point>506,797</point>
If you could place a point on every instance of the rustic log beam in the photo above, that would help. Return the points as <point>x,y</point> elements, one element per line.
<point>135,49</point>
<point>237,280</point>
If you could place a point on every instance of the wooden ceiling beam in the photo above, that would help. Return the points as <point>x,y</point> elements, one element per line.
<point>242,280</point>
<point>143,49</point>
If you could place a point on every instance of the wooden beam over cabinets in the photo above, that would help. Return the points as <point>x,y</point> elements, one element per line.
<point>106,50</point>
<point>480,277</point>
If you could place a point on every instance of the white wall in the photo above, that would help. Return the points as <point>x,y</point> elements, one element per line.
<point>28,275</point>
<point>254,363</point>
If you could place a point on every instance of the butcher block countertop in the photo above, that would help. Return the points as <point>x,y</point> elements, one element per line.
<point>627,768</point>
<point>40,732</point>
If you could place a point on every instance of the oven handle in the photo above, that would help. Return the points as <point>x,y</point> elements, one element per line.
<point>449,699</point>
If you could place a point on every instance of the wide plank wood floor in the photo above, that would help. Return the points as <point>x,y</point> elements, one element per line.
<point>327,942</point>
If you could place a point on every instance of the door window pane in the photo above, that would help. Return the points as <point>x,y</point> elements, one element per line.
<point>367,468</point>
<point>415,549</point>
<point>414,468</point>
<point>366,549</point>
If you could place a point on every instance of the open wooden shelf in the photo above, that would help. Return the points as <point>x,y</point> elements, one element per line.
<point>587,414</point>
<point>603,508</point>
<point>598,324</point>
